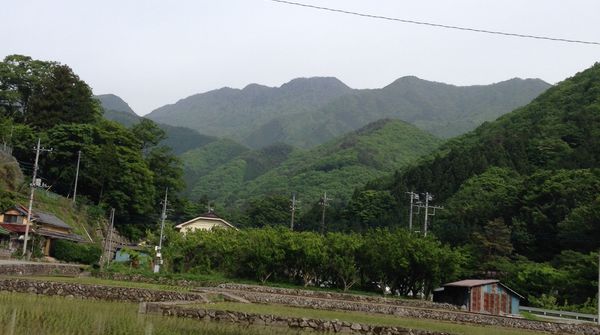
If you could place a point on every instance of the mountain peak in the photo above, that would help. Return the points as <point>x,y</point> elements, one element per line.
<point>114,103</point>
<point>318,83</point>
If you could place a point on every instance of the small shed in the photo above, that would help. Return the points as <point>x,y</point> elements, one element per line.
<point>487,296</point>
<point>208,221</point>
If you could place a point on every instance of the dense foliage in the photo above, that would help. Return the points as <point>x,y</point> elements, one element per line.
<point>179,139</point>
<point>122,168</point>
<point>404,262</point>
<point>521,193</point>
<point>336,167</point>
<point>68,251</point>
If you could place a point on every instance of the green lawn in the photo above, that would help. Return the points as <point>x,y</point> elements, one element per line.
<point>375,319</point>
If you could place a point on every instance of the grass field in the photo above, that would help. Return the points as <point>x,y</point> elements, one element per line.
<point>24,314</point>
<point>375,319</point>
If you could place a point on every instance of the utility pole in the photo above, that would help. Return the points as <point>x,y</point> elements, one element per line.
<point>163,216</point>
<point>293,207</point>
<point>428,198</point>
<point>324,202</point>
<point>76,175</point>
<point>413,197</point>
<point>32,191</point>
<point>110,231</point>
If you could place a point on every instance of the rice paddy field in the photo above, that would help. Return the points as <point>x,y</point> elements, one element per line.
<point>25,314</point>
<point>376,319</point>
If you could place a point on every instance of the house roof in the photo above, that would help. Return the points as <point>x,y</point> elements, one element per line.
<point>212,216</point>
<point>472,282</point>
<point>50,219</point>
<point>43,217</point>
<point>480,282</point>
<point>58,235</point>
<point>15,228</point>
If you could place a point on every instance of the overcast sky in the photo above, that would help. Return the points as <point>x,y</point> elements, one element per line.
<point>153,53</point>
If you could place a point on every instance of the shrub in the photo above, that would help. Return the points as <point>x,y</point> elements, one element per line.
<point>68,251</point>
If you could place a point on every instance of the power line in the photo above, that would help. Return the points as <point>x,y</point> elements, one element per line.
<point>438,25</point>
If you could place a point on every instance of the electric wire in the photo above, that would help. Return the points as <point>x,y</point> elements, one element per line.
<point>438,25</point>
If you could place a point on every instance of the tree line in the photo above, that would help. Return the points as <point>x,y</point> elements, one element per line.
<point>406,263</point>
<point>123,168</point>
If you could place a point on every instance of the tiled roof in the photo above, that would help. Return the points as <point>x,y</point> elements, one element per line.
<point>43,217</point>
<point>58,235</point>
<point>4,231</point>
<point>50,219</point>
<point>472,282</point>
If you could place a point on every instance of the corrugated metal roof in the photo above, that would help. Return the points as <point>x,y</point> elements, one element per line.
<point>472,282</point>
<point>480,282</point>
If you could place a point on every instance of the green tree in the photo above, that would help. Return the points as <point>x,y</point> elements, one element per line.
<point>370,209</point>
<point>342,252</point>
<point>261,253</point>
<point>43,94</point>
<point>494,240</point>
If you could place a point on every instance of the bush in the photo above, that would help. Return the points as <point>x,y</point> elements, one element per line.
<point>76,252</point>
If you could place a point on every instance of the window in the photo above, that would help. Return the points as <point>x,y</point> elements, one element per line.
<point>8,218</point>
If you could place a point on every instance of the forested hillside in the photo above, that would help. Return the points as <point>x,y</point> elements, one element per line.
<point>308,112</point>
<point>179,139</point>
<point>521,189</point>
<point>235,113</point>
<point>122,168</point>
<point>336,167</point>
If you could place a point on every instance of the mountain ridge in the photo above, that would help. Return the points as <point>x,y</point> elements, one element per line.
<point>305,112</point>
<point>337,166</point>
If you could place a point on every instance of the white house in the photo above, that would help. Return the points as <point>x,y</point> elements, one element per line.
<point>208,221</point>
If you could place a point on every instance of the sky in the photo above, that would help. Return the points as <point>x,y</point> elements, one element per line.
<point>152,53</point>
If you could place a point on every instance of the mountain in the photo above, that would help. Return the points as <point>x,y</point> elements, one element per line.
<point>179,139</point>
<point>235,113</point>
<point>337,167</point>
<point>537,169</point>
<point>310,111</point>
<point>111,102</point>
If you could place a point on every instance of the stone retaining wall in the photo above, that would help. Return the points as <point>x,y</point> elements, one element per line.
<point>95,291</point>
<point>418,313</point>
<point>338,296</point>
<point>252,319</point>
<point>39,269</point>
<point>153,280</point>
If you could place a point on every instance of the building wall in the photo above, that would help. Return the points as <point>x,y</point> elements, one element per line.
<point>203,225</point>
<point>493,299</point>
<point>20,219</point>
<point>54,228</point>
